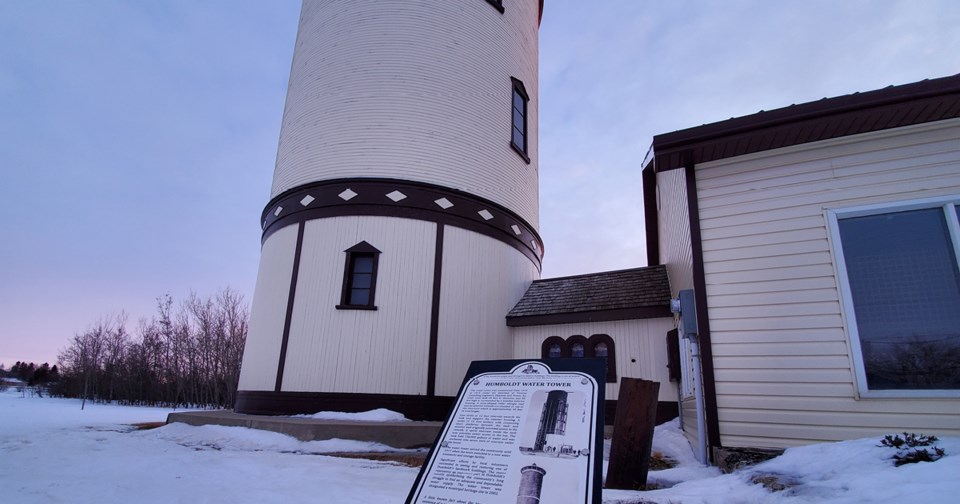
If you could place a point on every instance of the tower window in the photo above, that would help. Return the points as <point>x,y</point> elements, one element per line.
<point>497,4</point>
<point>359,278</point>
<point>518,138</point>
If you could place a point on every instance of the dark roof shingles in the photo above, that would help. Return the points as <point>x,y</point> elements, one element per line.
<point>609,290</point>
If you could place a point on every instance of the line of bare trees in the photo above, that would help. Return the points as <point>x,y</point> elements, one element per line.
<point>188,356</point>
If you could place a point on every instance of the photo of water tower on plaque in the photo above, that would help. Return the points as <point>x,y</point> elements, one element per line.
<point>524,431</point>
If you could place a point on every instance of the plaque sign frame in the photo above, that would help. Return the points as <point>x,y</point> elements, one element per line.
<point>521,431</point>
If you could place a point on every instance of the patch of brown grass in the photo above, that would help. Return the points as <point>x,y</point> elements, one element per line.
<point>659,462</point>
<point>148,425</point>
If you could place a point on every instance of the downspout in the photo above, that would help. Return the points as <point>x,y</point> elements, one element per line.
<point>706,373</point>
<point>698,397</point>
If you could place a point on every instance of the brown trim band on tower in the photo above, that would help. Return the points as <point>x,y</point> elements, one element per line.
<point>289,315</point>
<point>703,317</point>
<point>405,199</point>
<point>435,313</point>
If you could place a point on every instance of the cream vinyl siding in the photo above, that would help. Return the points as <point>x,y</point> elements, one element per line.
<point>417,91</point>
<point>483,279</point>
<point>783,369</point>
<point>262,349</point>
<point>382,351</point>
<point>641,340</point>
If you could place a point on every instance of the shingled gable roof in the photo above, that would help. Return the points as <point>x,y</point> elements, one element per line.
<point>891,107</point>
<point>610,295</point>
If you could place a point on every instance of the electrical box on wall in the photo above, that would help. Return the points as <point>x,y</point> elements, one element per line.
<point>686,306</point>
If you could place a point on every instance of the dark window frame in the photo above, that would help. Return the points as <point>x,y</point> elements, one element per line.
<point>573,340</point>
<point>611,354</point>
<point>589,344</point>
<point>517,89</point>
<point>360,250</point>
<point>497,4</point>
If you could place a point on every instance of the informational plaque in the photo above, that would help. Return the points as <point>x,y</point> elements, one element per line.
<point>524,431</point>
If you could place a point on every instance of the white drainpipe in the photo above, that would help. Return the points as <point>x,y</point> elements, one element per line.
<point>698,397</point>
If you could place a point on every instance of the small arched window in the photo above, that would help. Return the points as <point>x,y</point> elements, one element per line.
<point>553,347</point>
<point>555,351</point>
<point>602,346</point>
<point>576,346</point>
<point>600,349</point>
<point>576,350</point>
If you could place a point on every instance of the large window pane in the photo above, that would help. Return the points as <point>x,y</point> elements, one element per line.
<point>905,287</point>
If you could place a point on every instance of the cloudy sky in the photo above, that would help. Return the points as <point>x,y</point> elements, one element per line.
<point>138,139</point>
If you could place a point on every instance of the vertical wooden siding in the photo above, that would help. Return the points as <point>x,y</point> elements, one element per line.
<point>268,310</point>
<point>640,346</point>
<point>781,354</point>
<point>676,254</point>
<point>483,279</point>
<point>382,351</point>
<point>674,223</point>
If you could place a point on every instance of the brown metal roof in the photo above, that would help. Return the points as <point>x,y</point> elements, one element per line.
<point>891,107</point>
<point>610,295</point>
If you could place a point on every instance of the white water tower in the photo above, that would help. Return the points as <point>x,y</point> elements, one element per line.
<point>403,219</point>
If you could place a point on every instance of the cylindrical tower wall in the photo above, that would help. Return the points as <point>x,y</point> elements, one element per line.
<point>417,91</point>
<point>398,147</point>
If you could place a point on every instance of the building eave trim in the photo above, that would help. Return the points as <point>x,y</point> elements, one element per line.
<point>639,313</point>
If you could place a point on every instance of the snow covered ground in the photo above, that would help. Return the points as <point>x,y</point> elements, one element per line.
<point>52,452</point>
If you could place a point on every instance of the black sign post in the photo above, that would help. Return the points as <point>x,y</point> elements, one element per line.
<point>525,431</point>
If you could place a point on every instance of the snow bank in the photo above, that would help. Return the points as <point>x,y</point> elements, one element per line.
<point>93,456</point>
<point>219,437</point>
<point>377,415</point>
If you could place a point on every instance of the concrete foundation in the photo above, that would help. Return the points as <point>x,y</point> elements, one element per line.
<point>395,434</point>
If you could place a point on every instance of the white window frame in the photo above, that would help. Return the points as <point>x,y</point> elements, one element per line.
<point>949,205</point>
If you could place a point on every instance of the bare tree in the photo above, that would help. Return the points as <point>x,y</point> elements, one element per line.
<point>185,356</point>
